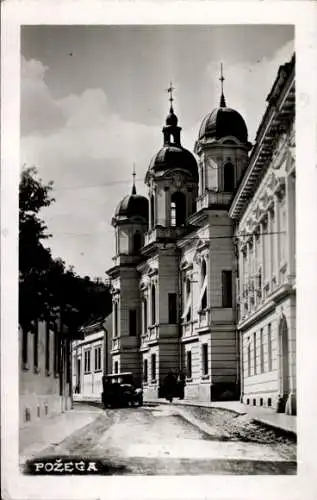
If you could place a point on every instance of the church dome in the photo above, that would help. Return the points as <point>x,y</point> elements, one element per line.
<point>133,205</point>
<point>222,122</point>
<point>172,157</point>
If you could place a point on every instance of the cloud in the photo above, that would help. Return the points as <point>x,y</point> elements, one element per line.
<point>40,113</point>
<point>246,86</point>
<point>88,151</point>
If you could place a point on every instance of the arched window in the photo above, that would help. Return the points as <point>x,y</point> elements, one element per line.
<point>152,210</point>
<point>153,297</point>
<point>203,285</point>
<point>137,241</point>
<point>178,209</point>
<point>228,176</point>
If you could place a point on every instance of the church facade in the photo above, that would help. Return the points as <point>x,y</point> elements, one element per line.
<point>175,301</point>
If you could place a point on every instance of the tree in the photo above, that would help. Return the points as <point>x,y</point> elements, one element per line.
<point>34,258</point>
<point>46,287</point>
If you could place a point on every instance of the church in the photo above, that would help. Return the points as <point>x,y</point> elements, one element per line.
<point>176,264</point>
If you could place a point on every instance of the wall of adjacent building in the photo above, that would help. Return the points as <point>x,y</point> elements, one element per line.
<point>41,394</point>
<point>271,298</point>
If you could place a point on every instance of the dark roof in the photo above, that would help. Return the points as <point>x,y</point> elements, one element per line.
<point>133,205</point>
<point>223,122</point>
<point>174,157</point>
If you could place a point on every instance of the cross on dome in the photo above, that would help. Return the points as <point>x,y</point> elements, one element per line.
<point>222,99</point>
<point>133,175</point>
<point>170,91</point>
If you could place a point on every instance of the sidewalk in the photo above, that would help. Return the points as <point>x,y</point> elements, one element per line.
<point>36,437</point>
<point>264,416</point>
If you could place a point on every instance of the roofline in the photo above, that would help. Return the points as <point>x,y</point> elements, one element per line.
<point>272,112</point>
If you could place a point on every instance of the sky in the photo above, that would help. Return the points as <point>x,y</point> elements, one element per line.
<point>94,100</point>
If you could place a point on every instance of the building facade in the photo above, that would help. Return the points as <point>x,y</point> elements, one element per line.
<point>174,268</point>
<point>45,372</point>
<point>175,303</point>
<point>91,359</point>
<point>264,211</point>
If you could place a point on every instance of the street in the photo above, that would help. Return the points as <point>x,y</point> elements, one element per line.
<point>169,440</point>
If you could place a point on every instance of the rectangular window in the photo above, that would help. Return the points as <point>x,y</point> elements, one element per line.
<point>172,308</point>
<point>145,315</point>
<point>249,357</point>
<point>262,350</point>
<point>189,364</point>
<point>47,347</point>
<point>87,361</point>
<point>132,322</point>
<point>97,358</point>
<point>116,367</point>
<point>36,346</point>
<point>173,213</point>
<point>282,232</point>
<point>226,288</point>
<point>265,243</point>
<point>153,366</point>
<point>254,352</point>
<point>269,347</point>
<point>24,347</point>
<point>145,371</point>
<point>205,367</point>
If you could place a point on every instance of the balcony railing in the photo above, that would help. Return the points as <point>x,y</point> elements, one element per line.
<point>213,198</point>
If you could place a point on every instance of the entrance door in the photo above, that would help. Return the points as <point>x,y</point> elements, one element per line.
<point>283,362</point>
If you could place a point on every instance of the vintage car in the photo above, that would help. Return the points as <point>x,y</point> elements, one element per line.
<point>119,390</point>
